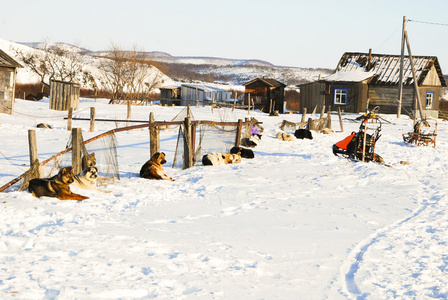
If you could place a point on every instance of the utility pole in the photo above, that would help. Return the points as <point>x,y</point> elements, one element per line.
<point>400,93</point>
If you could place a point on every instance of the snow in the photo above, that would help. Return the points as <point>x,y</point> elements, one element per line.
<point>354,76</point>
<point>295,222</point>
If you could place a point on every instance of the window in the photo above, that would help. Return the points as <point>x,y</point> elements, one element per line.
<point>429,99</point>
<point>340,96</point>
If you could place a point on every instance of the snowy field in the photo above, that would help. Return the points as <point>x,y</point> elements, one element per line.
<point>295,222</point>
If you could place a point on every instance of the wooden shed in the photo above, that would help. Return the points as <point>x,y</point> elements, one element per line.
<point>8,71</point>
<point>267,94</point>
<point>362,76</point>
<point>64,95</point>
<point>193,93</point>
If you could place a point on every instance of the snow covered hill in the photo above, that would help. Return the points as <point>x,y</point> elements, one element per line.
<point>226,71</point>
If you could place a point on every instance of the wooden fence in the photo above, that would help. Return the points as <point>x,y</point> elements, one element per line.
<point>154,135</point>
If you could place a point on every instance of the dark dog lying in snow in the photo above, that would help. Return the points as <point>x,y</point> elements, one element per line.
<point>245,153</point>
<point>57,186</point>
<point>252,141</point>
<point>303,134</point>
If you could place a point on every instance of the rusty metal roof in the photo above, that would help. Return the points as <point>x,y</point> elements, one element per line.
<point>267,81</point>
<point>8,61</point>
<point>387,67</point>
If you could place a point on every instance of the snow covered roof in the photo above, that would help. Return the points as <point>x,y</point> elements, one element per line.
<point>387,67</point>
<point>355,76</point>
<point>204,88</point>
<point>8,61</point>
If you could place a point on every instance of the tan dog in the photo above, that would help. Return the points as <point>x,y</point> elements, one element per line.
<point>283,136</point>
<point>86,179</point>
<point>57,186</point>
<point>153,169</point>
<point>327,131</point>
<point>219,159</point>
<point>88,160</point>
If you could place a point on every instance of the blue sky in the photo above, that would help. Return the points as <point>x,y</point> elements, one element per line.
<point>284,32</point>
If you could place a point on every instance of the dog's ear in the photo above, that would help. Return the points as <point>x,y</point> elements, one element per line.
<point>163,153</point>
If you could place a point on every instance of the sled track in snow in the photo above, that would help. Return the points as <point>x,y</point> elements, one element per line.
<point>350,268</point>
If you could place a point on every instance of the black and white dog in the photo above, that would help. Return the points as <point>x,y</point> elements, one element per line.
<point>86,179</point>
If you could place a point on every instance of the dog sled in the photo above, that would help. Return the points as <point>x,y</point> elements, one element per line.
<point>423,134</point>
<point>360,146</point>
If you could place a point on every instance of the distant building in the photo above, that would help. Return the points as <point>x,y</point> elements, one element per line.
<point>8,71</point>
<point>267,94</point>
<point>362,76</point>
<point>191,93</point>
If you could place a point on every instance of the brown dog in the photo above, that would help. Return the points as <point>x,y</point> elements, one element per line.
<point>153,169</point>
<point>57,186</point>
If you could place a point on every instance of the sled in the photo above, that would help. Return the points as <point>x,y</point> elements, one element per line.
<point>360,146</point>
<point>422,134</point>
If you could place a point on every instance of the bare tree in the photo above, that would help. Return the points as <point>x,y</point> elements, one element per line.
<point>128,74</point>
<point>55,62</point>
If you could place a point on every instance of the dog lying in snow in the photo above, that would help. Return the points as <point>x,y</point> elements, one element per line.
<point>303,134</point>
<point>219,159</point>
<point>57,186</point>
<point>252,141</point>
<point>245,153</point>
<point>86,179</point>
<point>153,168</point>
<point>283,136</point>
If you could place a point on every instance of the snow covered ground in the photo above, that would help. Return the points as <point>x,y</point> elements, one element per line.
<point>295,222</point>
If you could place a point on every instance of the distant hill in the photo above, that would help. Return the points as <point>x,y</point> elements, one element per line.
<point>218,70</point>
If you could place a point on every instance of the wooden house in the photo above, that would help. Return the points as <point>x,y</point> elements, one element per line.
<point>8,71</point>
<point>360,77</point>
<point>267,94</point>
<point>171,93</point>
<point>192,94</point>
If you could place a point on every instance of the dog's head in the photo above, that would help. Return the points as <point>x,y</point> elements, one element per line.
<point>91,172</point>
<point>158,158</point>
<point>66,175</point>
<point>89,160</point>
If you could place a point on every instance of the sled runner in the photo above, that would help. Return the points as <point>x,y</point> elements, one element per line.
<point>422,134</point>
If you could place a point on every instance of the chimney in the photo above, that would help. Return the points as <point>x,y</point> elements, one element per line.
<point>369,59</point>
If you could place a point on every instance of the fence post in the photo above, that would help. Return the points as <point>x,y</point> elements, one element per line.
<point>340,119</point>
<point>154,136</point>
<point>329,118</point>
<point>248,103</point>
<point>69,118</point>
<point>234,101</point>
<point>92,119</point>
<point>238,132</point>
<point>129,109</point>
<point>34,160</point>
<point>303,117</point>
<point>188,159</point>
<point>76,150</point>
<point>310,124</point>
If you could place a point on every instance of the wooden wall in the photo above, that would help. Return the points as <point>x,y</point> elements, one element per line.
<point>64,95</point>
<point>7,83</point>
<point>262,94</point>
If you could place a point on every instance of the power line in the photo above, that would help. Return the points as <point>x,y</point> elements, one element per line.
<point>431,23</point>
